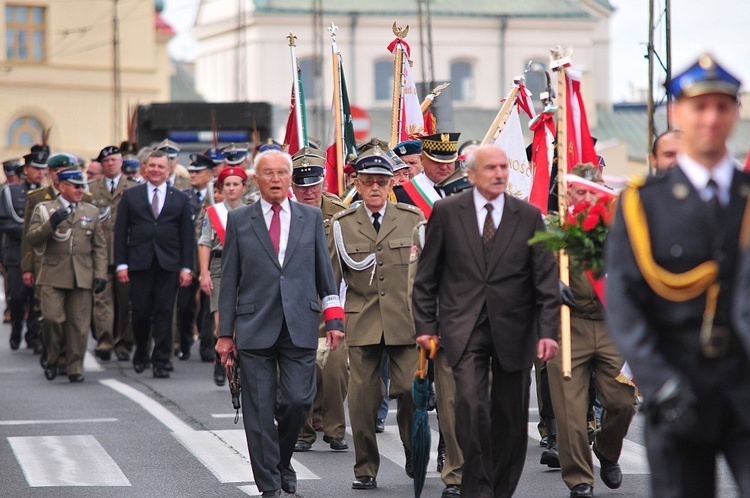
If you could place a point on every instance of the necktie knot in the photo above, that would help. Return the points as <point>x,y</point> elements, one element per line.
<point>199,196</point>
<point>275,208</point>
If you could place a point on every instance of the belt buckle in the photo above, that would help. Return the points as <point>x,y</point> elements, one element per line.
<point>715,341</point>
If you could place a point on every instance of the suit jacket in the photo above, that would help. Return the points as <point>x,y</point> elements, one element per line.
<point>108,202</point>
<point>376,307</point>
<point>518,284</point>
<point>71,262</point>
<point>257,293</point>
<point>140,238</point>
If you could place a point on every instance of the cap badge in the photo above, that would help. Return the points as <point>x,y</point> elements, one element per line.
<point>445,137</point>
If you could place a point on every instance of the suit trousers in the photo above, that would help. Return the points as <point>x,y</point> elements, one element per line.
<point>592,348</point>
<point>278,382</point>
<point>366,392</point>
<point>152,299</point>
<point>187,306</point>
<point>104,316</point>
<point>20,303</point>
<point>67,314</point>
<point>445,392</point>
<point>123,329</point>
<point>493,432</point>
<point>332,381</point>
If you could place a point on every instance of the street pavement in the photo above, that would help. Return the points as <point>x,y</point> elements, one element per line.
<point>122,434</point>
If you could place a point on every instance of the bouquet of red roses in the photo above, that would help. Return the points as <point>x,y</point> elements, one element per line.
<point>581,234</point>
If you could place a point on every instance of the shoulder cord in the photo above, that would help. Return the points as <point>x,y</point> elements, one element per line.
<point>341,248</point>
<point>59,236</point>
<point>9,205</point>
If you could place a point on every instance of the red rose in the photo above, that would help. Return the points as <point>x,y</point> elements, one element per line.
<point>591,220</point>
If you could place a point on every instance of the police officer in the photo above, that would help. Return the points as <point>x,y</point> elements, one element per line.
<point>307,183</point>
<point>12,206</point>
<point>370,245</point>
<point>68,235</point>
<point>111,305</point>
<point>178,177</point>
<point>671,270</point>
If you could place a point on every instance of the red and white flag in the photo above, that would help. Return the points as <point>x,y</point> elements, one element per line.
<point>542,151</point>
<point>580,145</point>
<point>411,123</point>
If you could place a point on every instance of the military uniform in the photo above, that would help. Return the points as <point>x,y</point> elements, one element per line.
<point>112,307</point>
<point>377,319</point>
<point>71,257</point>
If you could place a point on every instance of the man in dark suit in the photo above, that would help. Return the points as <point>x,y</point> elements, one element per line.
<point>672,261</point>
<point>276,271</point>
<point>494,301</point>
<point>154,250</point>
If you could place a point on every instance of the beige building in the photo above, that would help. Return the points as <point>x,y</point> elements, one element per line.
<point>56,71</point>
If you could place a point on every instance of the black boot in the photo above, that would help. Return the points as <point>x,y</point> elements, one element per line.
<point>550,457</point>
<point>441,453</point>
<point>15,334</point>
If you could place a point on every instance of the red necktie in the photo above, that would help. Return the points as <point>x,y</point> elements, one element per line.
<point>274,230</point>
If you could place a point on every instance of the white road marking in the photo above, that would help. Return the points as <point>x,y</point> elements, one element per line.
<point>161,414</point>
<point>66,461</point>
<point>391,447</point>
<point>59,421</point>
<point>251,490</point>
<point>224,415</point>
<point>90,363</point>
<point>632,459</point>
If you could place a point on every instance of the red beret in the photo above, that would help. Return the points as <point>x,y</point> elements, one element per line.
<point>232,171</point>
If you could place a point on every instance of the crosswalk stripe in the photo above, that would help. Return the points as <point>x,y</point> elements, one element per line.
<point>66,461</point>
<point>58,421</point>
<point>632,459</point>
<point>90,364</point>
<point>153,407</point>
<point>391,447</point>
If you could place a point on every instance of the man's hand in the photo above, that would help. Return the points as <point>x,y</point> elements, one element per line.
<point>28,278</point>
<point>99,285</point>
<point>185,278</point>
<point>423,341</point>
<point>224,346</point>
<point>58,217</point>
<point>546,349</point>
<point>206,284</point>
<point>333,337</point>
<point>122,276</point>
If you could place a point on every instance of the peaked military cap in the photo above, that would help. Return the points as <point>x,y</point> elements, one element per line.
<point>408,148</point>
<point>441,147</point>
<point>11,165</point>
<point>170,148</point>
<point>235,154</point>
<point>373,142</point>
<point>62,160</point>
<point>309,168</point>
<point>110,150</point>
<point>374,161</point>
<point>130,164</point>
<point>705,76</point>
<point>455,182</point>
<point>271,144</point>
<point>41,148</point>
<point>398,163</point>
<point>199,162</point>
<point>72,175</point>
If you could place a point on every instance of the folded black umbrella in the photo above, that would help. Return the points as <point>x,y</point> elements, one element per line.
<point>233,375</point>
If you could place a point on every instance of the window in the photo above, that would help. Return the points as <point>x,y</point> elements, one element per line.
<point>24,33</point>
<point>25,132</point>
<point>384,80</point>
<point>462,81</point>
<point>310,70</point>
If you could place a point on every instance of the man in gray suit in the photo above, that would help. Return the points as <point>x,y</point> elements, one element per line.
<point>276,272</point>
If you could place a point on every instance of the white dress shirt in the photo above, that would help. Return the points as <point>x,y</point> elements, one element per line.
<point>699,175</point>
<point>285,216</point>
<point>382,213</point>
<point>497,209</point>
<point>116,181</point>
<point>162,193</point>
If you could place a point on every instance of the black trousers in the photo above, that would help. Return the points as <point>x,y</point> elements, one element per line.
<point>186,314</point>
<point>152,299</point>
<point>493,428</point>
<point>20,301</point>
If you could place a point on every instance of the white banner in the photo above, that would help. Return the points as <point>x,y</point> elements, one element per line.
<point>512,142</point>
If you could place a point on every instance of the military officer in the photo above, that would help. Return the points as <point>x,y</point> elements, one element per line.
<point>308,174</point>
<point>68,236</point>
<point>370,245</point>
<point>410,151</point>
<point>671,270</point>
<point>178,177</point>
<point>12,206</point>
<point>112,306</point>
<point>131,167</point>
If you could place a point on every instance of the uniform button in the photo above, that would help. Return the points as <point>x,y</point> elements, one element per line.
<point>380,263</point>
<point>380,248</point>
<point>382,293</point>
<point>282,277</point>
<point>675,251</point>
<point>381,278</point>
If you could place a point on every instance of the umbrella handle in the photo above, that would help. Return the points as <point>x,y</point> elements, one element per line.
<point>422,372</point>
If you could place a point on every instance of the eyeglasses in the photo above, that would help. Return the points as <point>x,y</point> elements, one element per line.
<point>76,186</point>
<point>369,182</point>
<point>310,188</point>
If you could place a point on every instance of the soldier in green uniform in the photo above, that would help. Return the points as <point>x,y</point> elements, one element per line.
<point>67,235</point>
<point>307,183</point>
<point>113,303</point>
<point>370,245</point>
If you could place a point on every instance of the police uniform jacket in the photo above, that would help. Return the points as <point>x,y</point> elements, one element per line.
<point>12,207</point>
<point>73,254</point>
<point>107,202</point>
<point>376,297</point>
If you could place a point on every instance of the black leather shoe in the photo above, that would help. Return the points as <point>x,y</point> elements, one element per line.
<point>15,342</point>
<point>76,378</point>
<point>103,355</point>
<point>550,457</point>
<point>380,426</point>
<point>272,493</point>
<point>185,355</point>
<point>62,370</point>
<point>610,471</point>
<point>161,373</point>
<point>364,482</point>
<point>140,367</point>
<point>336,443</point>
<point>544,442</point>
<point>50,371</point>
<point>123,356</point>
<point>581,490</point>
<point>288,479</point>
<point>451,491</point>
<point>169,367</point>
<point>301,445</point>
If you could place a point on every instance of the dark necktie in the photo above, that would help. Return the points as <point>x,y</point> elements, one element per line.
<point>376,221</point>
<point>274,229</point>
<point>112,187</point>
<point>72,208</point>
<point>714,203</point>
<point>488,231</point>
<point>199,197</point>
<point>155,203</point>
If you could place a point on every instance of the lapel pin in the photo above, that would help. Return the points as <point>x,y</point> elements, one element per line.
<point>680,191</point>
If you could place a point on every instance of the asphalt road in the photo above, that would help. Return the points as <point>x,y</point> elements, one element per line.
<point>122,434</point>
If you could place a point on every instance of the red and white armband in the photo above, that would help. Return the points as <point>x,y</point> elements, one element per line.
<point>332,309</point>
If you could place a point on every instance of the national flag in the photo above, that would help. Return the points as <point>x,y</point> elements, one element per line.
<point>349,145</point>
<point>580,146</point>
<point>430,123</point>
<point>411,123</point>
<point>295,130</point>
<point>542,151</point>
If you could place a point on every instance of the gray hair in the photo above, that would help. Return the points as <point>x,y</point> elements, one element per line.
<point>471,162</point>
<point>268,153</point>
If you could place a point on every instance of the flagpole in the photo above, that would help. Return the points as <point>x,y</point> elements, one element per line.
<point>427,102</point>
<point>297,101</point>
<point>502,116</point>
<point>398,77</point>
<point>335,57</point>
<point>559,61</point>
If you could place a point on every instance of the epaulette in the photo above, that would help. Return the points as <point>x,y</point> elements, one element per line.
<point>88,197</point>
<point>408,207</point>
<point>637,181</point>
<point>34,191</point>
<point>334,199</point>
<point>343,213</point>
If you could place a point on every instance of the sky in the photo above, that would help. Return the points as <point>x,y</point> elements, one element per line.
<point>698,26</point>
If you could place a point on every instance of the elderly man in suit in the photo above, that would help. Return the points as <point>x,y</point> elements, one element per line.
<point>276,272</point>
<point>494,301</point>
<point>154,251</point>
<point>68,235</point>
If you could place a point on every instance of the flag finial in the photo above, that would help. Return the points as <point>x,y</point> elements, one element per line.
<point>400,32</point>
<point>332,30</point>
<point>292,39</point>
